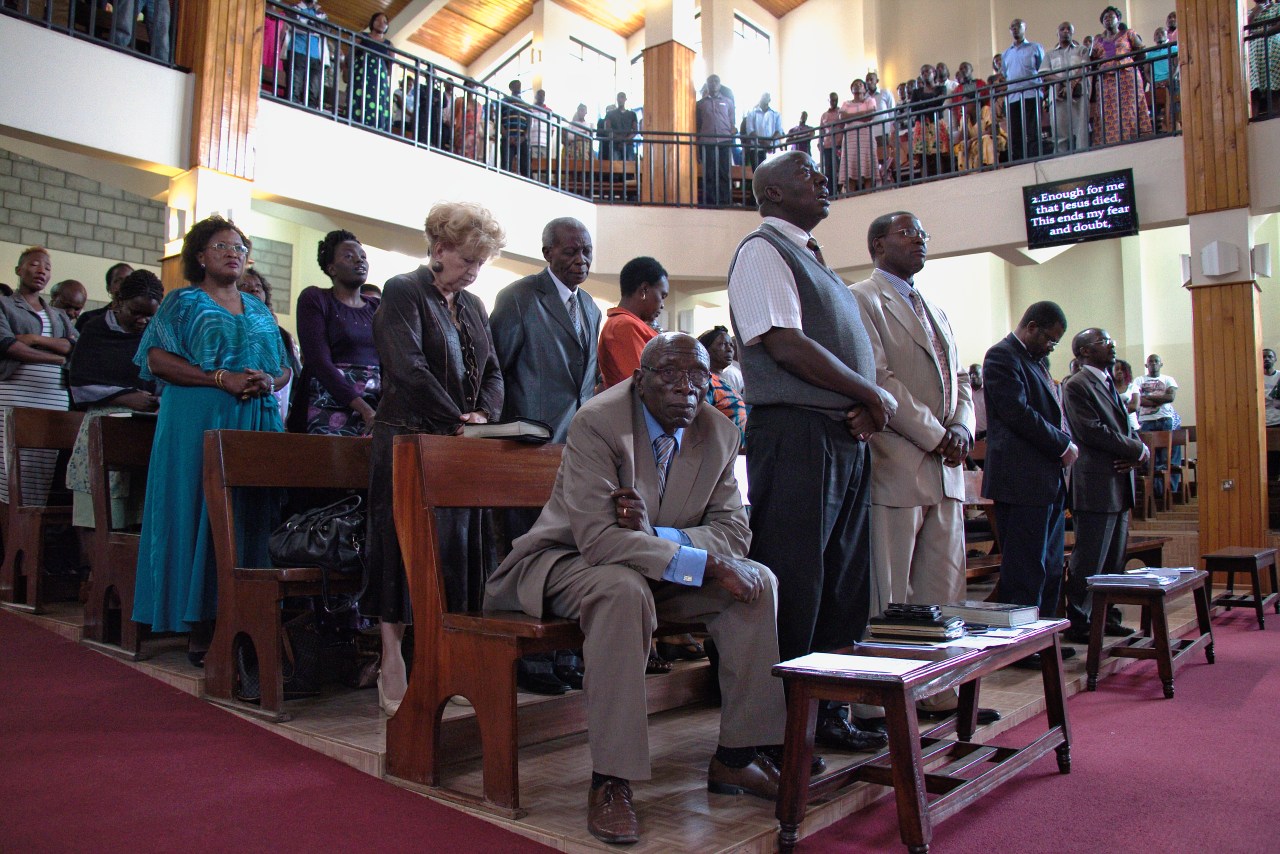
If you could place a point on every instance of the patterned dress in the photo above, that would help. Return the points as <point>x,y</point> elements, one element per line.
<point>177,573</point>
<point>1123,108</point>
<point>858,157</point>
<point>725,398</point>
<point>372,98</point>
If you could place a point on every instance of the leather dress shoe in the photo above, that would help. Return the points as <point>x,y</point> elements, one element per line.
<point>759,778</point>
<point>1080,636</point>
<point>985,716</point>
<point>568,668</point>
<point>1032,661</point>
<point>836,732</point>
<point>774,752</point>
<point>536,674</point>
<point>871,724</point>
<point>610,816</point>
<point>1118,630</point>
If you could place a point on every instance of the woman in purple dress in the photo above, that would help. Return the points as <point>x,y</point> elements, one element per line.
<point>341,372</point>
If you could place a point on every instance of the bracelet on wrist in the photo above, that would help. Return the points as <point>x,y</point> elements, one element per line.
<point>217,378</point>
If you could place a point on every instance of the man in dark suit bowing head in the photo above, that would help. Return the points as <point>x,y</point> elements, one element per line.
<point>1101,479</point>
<point>645,522</point>
<point>1028,454</point>
<point>545,329</point>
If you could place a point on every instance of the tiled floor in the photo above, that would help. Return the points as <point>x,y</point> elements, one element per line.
<point>676,811</point>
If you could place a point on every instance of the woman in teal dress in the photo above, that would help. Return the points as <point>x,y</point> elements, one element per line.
<point>217,358</point>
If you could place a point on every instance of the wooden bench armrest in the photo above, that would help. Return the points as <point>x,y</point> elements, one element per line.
<point>512,624</point>
<point>291,574</point>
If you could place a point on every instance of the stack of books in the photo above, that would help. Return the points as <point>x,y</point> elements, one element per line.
<point>1151,576</point>
<point>993,613</point>
<point>919,623</point>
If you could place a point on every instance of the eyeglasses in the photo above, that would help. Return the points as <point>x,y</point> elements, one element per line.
<point>912,233</point>
<point>238,248</point>
<point>670,376</point>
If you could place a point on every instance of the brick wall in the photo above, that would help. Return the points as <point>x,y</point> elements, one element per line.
<point>70,213</point>
<point>274,260</point>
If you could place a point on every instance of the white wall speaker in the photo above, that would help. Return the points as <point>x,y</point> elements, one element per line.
<point>1260,256</point>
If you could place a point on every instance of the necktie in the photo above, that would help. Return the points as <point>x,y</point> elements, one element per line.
<point>816,250</point>
<point>664,448</point>
<point>572,307</point>
<point>1057,397</point>
<point>1115,395</point>
<point>939,347</point>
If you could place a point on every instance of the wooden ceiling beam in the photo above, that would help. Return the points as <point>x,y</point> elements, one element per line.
<point>412,18</point>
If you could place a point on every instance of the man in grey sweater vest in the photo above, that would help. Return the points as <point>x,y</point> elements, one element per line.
<point>810,379</point>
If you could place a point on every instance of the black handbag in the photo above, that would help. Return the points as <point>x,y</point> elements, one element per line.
<point>329,537</point>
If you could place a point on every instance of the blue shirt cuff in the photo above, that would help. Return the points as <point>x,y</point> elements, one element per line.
<point>675,535</point>
<point>687,567</point>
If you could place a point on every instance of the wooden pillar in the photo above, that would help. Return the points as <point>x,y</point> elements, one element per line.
<point>221,42</point>
<point>1226,327</point>
<point>669,106</point>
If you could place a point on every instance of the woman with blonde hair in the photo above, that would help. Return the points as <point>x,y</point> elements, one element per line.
<point>439,372</point>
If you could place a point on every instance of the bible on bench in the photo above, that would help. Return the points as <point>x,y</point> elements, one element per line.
<point>519,429</point>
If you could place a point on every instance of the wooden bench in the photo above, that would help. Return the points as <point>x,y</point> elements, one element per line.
<point>115,445</point>
<point>249,598</point>
<point>470,654</point>
<point>21,579</point>
<point>474,654</point>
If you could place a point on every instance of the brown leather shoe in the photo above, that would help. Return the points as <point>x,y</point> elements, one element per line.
<point>760,778</point>
<point>610,816</point>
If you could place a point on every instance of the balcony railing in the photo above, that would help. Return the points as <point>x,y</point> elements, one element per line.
<point>144,28</point>
<point>347,77</point>
<point>1262,52</point>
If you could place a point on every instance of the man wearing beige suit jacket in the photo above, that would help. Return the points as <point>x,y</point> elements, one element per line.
<point>917,485</point>
<point>645,523</point>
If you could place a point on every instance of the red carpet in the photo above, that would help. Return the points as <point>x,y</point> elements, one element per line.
<point>95,756</point>
<point>1196,773</point>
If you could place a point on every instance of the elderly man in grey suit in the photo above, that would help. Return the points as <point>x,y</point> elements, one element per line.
<point>917,486</point>
<point>645,523</point>
<point>1102,478</point>
<point>546,330</point>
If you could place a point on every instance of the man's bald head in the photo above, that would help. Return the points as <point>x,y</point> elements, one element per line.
<point>68,295</point>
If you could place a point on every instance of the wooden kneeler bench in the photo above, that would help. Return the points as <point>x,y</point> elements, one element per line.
<point>115,445</point>
<point>474,654</point>
<point>249,598</point>
<point>22,576</point>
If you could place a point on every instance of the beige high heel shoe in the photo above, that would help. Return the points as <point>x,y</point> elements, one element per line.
<point>389,707</point>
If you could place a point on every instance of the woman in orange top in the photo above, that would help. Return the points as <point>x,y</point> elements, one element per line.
<point>629,325</point>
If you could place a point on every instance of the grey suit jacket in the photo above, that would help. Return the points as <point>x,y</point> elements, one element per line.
<point>609,447</point>
<point>548,371</point>
<point>905,471</point>
<point>1100,428</point>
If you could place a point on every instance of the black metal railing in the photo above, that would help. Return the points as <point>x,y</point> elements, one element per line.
<point>145,28</point>
<point>348,77</point>
<point>1262,56</point>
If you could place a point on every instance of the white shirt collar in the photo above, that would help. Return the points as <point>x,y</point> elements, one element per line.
<point>1099,373</point>
<point>561,287</point>
<point>793,232</point>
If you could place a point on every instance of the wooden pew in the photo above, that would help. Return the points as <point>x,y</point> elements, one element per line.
<point>115,445</point>
<point>249,597</point>
<point>470,654</point>
<point>474,654</point>
<point>21,579</point>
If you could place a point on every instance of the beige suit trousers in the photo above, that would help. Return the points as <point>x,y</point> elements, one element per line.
<point>917,556</point>
<point>618,609</point>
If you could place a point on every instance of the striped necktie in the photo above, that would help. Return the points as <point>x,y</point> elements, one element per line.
<point>572,307</point>
<point>939,348</point>
<point>664,448</point>
<point>816,250</point>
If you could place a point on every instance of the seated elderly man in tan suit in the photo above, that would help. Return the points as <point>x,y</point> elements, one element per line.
<point>646,523</point>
